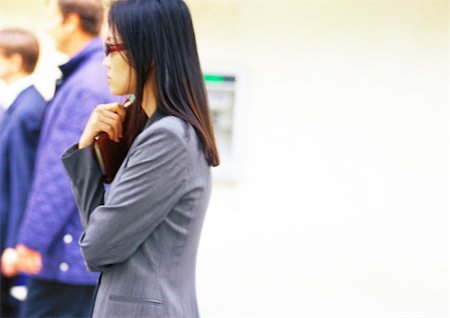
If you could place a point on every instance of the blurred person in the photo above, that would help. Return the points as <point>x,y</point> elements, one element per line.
<point>143,233</point>
<point>21,112</point>
<point>59,284</point>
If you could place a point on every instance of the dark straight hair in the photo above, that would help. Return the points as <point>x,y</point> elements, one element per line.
<point>160,44</point>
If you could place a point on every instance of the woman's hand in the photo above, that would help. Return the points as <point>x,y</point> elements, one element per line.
<point>106,118</point>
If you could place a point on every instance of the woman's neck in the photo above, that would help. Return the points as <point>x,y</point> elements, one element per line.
<point>149,100</point>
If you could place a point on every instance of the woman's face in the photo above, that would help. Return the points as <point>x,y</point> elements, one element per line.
<point>121,76</point>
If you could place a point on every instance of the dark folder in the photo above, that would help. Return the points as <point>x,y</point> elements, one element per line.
<point>110,154</point>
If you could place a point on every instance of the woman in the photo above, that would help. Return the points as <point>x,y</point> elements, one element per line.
<point>143,233</point>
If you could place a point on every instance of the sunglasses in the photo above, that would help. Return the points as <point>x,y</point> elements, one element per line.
<point>110,48</point>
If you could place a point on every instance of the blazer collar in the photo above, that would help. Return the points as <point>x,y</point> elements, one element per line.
<point>153,118</point>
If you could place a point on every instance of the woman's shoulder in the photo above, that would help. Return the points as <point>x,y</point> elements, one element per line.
<point>174,124</point>
<point>166,128</point>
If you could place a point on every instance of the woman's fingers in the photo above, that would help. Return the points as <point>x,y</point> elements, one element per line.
<point>110,121</point>
<point>112,127</point>
<point>120,111</point>
<point>106,118</point>
<point>115,108</point>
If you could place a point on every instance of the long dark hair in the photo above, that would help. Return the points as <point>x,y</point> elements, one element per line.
<point>159,39</point>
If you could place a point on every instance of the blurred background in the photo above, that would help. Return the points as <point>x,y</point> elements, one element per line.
<point>332,121</point>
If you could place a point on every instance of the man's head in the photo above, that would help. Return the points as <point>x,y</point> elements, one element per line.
<point>72,22</point>
<point>19,53</point>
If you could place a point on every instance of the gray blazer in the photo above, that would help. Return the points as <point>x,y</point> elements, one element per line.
<point>142,234</point>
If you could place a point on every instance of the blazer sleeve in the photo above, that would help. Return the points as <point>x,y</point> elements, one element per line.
<point>152,182</point>
<point>86,180</point>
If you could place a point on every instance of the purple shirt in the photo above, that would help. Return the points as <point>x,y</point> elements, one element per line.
<point>51,224</point>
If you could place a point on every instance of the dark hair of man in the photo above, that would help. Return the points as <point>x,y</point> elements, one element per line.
<point>90,13</point>
<point>22,42</point>
<point>159,39</point>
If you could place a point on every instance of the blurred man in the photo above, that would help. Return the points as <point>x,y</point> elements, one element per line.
<point>60,284</point>
<point>21,113</point>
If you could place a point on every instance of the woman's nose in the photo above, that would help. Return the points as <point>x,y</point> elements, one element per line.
<point>106,62</point>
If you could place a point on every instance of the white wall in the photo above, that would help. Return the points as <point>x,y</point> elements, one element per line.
<point>341,207</point>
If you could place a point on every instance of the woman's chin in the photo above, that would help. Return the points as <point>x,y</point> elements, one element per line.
<point>118,90</point>
<point>115,91</point>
